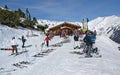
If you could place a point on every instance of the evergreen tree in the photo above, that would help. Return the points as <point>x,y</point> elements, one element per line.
<point>28,16</point>
<point>34,20</point>
<point>6,7</point>
<point>21,13</point>
<point>0,15</point>
<point>46,26</point>
<point>13,18</point>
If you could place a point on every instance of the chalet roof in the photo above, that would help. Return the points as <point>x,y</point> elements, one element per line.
<point>63,25</point>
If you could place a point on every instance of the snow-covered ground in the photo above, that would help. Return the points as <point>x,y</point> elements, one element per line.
<point>60,61</point>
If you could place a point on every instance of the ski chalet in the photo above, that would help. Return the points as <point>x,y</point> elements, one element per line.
<point>63,26</point>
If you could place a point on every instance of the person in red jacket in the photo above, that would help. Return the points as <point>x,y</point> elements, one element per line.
<point>47,41</point>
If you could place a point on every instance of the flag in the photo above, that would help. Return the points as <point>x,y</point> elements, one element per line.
<point>87,23</point>
<point>84,27</point>
<point>83,23</point>
<point>87,20</point>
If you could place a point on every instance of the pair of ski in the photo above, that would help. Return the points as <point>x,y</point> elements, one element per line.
<point>6,70</point>
<point>77,47</point>
<point>56,45</point>
<point>83,54</point>
<point>93,55</point>
<point>39,55</point>
<point>43,53</point>
<point>10,49</point>
<point>19,53</point>
<point>96,56</point>
<point>14,54</point>
<point>77,52</point>
<point>22,64</point>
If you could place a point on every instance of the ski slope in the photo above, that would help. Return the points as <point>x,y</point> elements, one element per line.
<point>60,61</point>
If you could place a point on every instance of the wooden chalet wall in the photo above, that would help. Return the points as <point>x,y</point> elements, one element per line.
<point>64,26</point>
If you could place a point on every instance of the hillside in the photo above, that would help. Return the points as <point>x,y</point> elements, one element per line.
<point>110,26</point>
<point>60,61</point>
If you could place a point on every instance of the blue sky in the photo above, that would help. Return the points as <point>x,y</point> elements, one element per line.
<point>66,10</point>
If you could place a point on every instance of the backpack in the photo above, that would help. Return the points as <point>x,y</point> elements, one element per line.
<point>92,39</point>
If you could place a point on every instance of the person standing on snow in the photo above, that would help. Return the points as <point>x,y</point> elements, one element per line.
<point>23,41</point>
<point>14,45</point>
<point>76,41</point>
<point>63,33</point>
<point>95,33</point>
<point>88,43</point>
<point>47,41</point>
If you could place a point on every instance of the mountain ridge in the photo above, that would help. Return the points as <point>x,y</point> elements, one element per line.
<point>108,25</point>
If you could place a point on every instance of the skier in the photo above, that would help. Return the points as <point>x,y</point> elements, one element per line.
<point>95,33</point>
<point>23,41</point>
<point>88,44</point>
<point>66,33</point>
<point>76,41</point>
<point>47,41</point>
<point>14,45</point>
<point>59,32</point>
<point>63,33</point>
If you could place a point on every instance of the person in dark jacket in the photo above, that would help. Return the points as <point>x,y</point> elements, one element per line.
<point>88,43</point>
<point>23,41</point>
<point>76,41</point>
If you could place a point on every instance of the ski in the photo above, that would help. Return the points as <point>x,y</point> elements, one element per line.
<point>77,52</point>
<point>39,55</point>
<point>25,62</point>
<point>4,70</point>
<point>47,51</point>
<point>98,56</point>
<point>14,54</point>
<point>6,49</point>
<point>19,53</point>
<point>18,65</point>
<point>77,48</point>
<point>43,53</point>
<point>57,45</point>
<point>1,68</point>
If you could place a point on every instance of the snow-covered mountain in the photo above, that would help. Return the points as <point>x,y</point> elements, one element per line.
<point>61,60</point>
<point>54,23</point>
<point>109,26</point>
